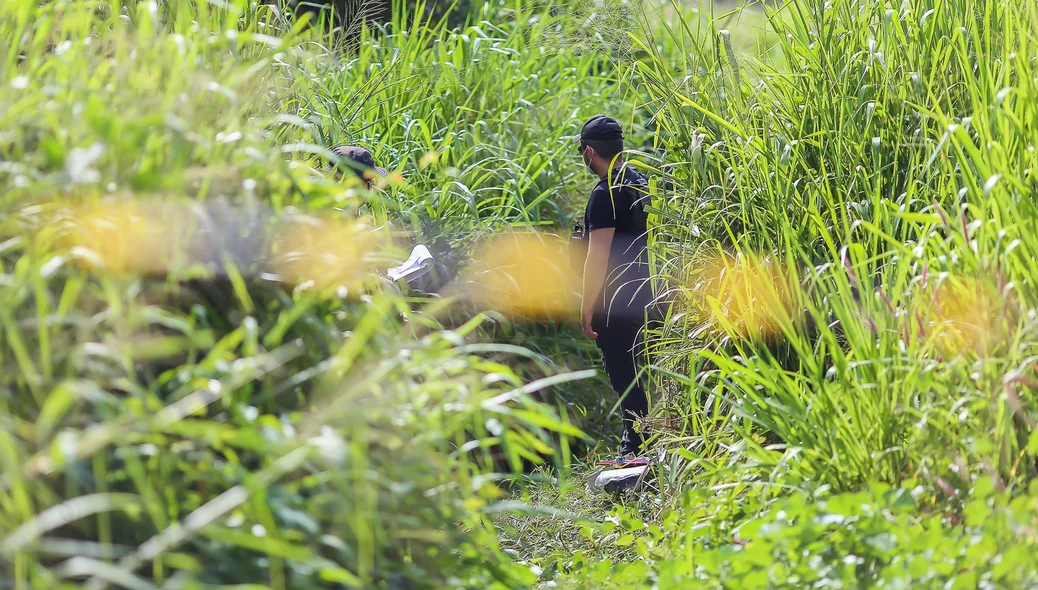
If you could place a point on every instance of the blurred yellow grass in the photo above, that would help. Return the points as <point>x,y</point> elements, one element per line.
<point>526,274</point>
<point>964,315</point>
<point>746,294</point>
<point>152,238</point>
<point>326,251</point>
<point>124,237</point>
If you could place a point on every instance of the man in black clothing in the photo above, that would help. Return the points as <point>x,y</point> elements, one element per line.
<point>617,291</point>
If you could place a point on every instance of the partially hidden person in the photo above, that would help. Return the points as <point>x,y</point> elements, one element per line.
<point>359,161</point>
<point>617,289</point>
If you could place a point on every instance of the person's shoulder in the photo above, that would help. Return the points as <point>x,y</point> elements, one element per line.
<point>634,176</point>
<point>602,187</point>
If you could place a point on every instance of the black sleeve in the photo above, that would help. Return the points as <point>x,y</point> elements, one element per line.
<point>601,209</point>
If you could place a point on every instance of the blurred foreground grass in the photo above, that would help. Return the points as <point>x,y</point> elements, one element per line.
<point>174,412</point>
<point>843,204</point>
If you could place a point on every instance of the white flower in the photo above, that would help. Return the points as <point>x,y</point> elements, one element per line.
<point>79,164</point>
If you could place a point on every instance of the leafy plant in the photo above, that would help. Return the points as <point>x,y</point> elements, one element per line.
<point>176,427</point>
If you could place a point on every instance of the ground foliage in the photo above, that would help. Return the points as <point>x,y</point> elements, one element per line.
<point>163,430</point>
<point>857,403</point>
<point>842,205</point>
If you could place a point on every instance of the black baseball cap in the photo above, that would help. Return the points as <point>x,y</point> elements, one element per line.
<point>600,128</point>
<point>360,163</point>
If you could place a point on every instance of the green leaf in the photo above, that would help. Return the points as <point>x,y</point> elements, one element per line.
<point>983,486</point>
<point>266,545</point>
<point>1032,442</point>
<point>339,575</point>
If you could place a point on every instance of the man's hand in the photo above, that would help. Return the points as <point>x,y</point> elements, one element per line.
<point>585,322</point>
<point>599,243</point>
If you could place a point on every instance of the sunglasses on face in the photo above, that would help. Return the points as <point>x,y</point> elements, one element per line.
<point>581,149</point>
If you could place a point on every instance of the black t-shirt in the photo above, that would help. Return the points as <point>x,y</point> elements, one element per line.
<point>618,201</point>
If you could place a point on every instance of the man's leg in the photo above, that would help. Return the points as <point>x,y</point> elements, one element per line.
<point>617,343</point>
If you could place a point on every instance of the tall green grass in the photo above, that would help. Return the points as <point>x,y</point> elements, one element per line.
<point>877,403</point>
<point>152,435</point>
<point>861,413</point>
<point>879,157</point>
<point>871,160</point>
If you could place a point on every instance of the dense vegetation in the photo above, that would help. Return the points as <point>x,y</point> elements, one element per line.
<point>842,199</point>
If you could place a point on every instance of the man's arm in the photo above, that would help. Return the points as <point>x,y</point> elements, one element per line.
<point>595,268</point>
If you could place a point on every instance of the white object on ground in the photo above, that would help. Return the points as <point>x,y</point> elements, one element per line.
<point>418,264</point>
<point>616,480</point>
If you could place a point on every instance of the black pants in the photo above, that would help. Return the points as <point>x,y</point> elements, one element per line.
<point>621,341</point>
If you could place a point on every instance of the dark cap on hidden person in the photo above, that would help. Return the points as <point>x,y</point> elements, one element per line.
<point>600,128</point>
<point>361,161</point>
